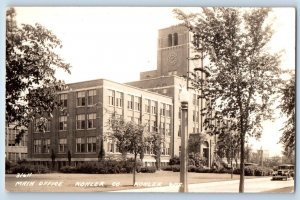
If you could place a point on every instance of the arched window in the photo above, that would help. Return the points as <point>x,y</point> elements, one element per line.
<point>175,38</point>
<point>169,40</point>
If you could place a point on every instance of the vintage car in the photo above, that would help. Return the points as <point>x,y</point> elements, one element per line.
<point>283,172</point>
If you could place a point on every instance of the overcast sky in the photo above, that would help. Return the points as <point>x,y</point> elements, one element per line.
<point>118,43</point>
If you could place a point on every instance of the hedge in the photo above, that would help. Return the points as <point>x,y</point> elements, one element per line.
<point>108,167</point>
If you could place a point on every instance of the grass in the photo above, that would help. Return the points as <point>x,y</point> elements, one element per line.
<point>164,178</point>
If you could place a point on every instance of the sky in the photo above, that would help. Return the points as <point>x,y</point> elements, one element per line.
<point>117,43</point>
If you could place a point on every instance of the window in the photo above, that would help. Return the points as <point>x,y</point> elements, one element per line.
<point>168,129</point>
<point>168,110</point>
<point>175,39</point>
<point>179,113</point>
<point>162,128</point>
<point>91,144</point>
<point>80,122</point>
<point>63,123</point>
<point>153,107</point>
<point>81,98</point>
<point>42,125</point>
<point>137,103</point>
<point>111,97</point>
<point>179,131</point>
<point>147,105</point>
<point>130,102</point>
<point>80,145</point>
<point>92,97</point>
<point>137,120</point>
<point>63,99</point>
<point>195,100</point>
<point>148,125</point>
<point>111,147</point>
<point>62,145</point>
<point>37,146</point>
<point>46,146</point>
<point>119,99</point>
<point>195,116</point>
<point>162,109</point>
<point>169,40</point>
<point>154,126</point>
<point>91,120</point>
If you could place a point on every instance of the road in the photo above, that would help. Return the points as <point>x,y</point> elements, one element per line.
<point>251,186</point>
<point>164,181</point>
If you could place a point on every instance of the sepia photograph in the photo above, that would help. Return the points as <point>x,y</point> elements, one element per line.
<point>150,99</point>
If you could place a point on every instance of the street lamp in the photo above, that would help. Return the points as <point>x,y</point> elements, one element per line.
<point>184,98</point>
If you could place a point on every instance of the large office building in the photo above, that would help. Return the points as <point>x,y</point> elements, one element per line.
<point>153,100</point>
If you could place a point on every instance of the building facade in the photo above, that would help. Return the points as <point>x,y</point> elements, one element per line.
<point>15,151</point>
<point>78,129</point>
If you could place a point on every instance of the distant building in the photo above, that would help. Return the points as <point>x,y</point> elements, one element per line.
<point>15,151</point>
<point>153,100</point>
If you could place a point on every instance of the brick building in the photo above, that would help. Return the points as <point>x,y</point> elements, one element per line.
<point>153,100</point>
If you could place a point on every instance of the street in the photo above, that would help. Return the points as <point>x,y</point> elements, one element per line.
<point>161,181</point>
<point>251,186</point>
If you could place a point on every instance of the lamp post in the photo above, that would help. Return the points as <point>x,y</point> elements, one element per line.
<point>184,98</point>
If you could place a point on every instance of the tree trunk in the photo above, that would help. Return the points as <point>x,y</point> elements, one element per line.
<point>242,176</point>
<point>134,169</point>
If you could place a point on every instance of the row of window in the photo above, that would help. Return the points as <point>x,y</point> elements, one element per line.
<point>83,98</point>
<point>82,122</point>
<point>113,148</point>
<point>134,103</point>
<point>82,145</point>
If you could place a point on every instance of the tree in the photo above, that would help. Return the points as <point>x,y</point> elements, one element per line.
<point>287,106</point>
<point>243,74</point>
<point>69,157</point>
<point>156,140</point>
<point>195,141</point>
<point>31,63</point>
<point>129,137</point>
<point>101,154</point>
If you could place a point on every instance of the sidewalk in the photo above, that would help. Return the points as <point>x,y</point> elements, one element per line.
<point>251,185</point>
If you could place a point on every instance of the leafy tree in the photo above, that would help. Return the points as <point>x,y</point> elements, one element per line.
<point>31,63</point>
<point>287,106</point>
<point>129,137</point>
<point>156,140</point>
<point>243,74</point>
<point>195,141</point>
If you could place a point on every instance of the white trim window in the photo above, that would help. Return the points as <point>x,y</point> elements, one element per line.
<point>81,98</point>
<point>91,97</point>
<point>63,123</point>
<point>63,99</point>
<point>62,147</point>
<point>111,97</point>
<point>46,146</point>
<point>91,121</point>
<point>119,99</point>
<point>80,122</point>
<point>91,144</point>
<point>80,145</point>
<point>37,146</point>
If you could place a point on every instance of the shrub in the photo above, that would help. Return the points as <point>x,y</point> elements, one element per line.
<point>68,169</point>
<point>174,161</point>
<point>176,168</point>
<point>28,168</point>
<point>167,168</point>
<point>148,169</point>
<point>191,168</point>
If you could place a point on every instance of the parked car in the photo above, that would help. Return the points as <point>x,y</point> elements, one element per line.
<point>283,172</point>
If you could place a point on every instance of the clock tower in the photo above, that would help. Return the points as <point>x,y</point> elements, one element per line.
<point>174,49</point>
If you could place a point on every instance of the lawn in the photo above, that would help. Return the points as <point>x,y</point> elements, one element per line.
<point>58,182</point>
